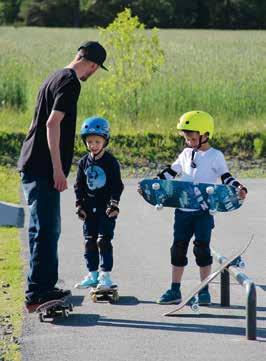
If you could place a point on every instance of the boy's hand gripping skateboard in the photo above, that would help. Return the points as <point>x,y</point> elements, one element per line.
<point>104,294</point>
<point>193,294</point>
<point>189,195</point>
<point>54,308</point>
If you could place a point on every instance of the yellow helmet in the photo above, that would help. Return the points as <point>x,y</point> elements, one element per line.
<point>197,121</point>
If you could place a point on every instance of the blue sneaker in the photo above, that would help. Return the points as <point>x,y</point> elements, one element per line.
<point>170,297</point>
<point>204,298</point>
<point>104,281</point>
<point>91,280</point>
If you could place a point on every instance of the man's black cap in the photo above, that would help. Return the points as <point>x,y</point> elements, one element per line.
<point>94,52</point>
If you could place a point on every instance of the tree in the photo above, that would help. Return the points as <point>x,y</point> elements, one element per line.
<point>57,13</point>
<point>136,57</point>
<point>9,10</point>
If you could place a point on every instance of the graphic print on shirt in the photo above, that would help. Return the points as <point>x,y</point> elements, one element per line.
<point>96,177</point>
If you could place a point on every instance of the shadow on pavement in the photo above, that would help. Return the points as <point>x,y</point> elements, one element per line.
<point>127,301</point>
<point>165,326</point>
<point>77,300</point>
<point>82,320</point>
<point>263,287</point>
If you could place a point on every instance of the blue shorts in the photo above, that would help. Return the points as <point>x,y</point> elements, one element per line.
<point>187,224</point>
<point>199,223</point>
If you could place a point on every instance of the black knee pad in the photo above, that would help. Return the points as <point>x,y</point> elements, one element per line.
<point>91,244</point>
<point>202,253</point>
<point>179,253</point>
<point>104,243</point>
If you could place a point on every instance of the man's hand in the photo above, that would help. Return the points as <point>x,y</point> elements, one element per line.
<point>81,213</point>
<point>60,181</point>
<point>112,209</point>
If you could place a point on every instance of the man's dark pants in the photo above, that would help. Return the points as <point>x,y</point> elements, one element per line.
<point>44,231</point>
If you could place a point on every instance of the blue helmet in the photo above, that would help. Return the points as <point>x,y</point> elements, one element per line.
<point>95,126</point>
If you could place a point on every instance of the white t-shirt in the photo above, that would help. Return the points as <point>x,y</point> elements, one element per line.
<point>210,165</point>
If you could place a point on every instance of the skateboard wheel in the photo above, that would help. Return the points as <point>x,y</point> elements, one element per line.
<point>41,317</point>
<point>159,207</point>
<point>156,186</point>
<point>195,307</point>
<point>115,297</point>
<point>65,313</point>
<point>94,298</point>
<point>210,190</point>
<point>241,264</point>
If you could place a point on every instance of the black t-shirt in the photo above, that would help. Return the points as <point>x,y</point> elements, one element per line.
<point>98,182</point>
<point>59,92</point>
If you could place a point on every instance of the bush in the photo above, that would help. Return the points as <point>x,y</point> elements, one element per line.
<point>136,57</point>
<point>259,145</point>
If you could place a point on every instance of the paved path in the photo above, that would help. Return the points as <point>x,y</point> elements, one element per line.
<point>134,329</point>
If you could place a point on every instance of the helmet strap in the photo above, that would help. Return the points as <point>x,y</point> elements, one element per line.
<point>98,155</point>
<point>193,164</point>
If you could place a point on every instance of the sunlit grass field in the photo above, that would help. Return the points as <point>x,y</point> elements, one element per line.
<point>222,72</point>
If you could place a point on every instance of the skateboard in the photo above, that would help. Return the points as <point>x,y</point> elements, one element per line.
<point>104,294</point>
<point>190,195</point>
<point>54,308</point>
<point>191,299</point>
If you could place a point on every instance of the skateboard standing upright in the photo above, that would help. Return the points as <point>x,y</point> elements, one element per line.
<point>190,195</point>
<point>193,294</point>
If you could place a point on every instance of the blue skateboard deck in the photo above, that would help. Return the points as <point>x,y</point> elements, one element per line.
<point>188,195</point>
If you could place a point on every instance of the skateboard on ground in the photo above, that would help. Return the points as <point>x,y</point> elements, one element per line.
<point>191,299</point>
<point>54,308</point>
<point>104,294</point>
<point>190,195</point>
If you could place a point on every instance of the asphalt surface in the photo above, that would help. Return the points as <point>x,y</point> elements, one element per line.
<point>134,328</point>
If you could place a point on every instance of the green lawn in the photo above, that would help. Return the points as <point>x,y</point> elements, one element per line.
<point>222,72</point>
<point>11,270</point>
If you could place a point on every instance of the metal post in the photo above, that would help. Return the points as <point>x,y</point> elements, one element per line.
<point>225,288</point>
<point>251,326</point>
<point>251,297</point>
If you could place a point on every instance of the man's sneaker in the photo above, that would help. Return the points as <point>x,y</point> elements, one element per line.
<point>204,298</point>
<point>104,280</point>
<point>170,297</point>
<point>91,280</point>
<point>54,294</point>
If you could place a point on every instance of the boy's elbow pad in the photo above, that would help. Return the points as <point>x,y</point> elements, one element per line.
<point>167,173</point>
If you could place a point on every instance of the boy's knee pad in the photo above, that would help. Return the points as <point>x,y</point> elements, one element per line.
<point>179,253</point>
<point>90,244</point>
<point>104,243</point>
<point>202,253</point>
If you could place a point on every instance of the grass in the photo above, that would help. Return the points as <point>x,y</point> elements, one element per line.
<point>11,269</point>
<point>222,72</point>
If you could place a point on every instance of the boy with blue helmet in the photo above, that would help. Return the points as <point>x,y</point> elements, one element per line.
<point>98,188</point>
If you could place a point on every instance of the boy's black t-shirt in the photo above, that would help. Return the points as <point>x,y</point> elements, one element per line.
<point>59,92</point>
<point>98,182</point>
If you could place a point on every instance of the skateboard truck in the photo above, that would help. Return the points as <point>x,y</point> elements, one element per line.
<point>104,294</point>
<point>156,187</point>
<point>212,208</point>
<point>194,304</point>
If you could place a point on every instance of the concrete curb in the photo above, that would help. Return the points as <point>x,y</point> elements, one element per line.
<point>11,215</point>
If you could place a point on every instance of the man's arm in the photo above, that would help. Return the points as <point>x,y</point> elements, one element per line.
<point>53,139</point>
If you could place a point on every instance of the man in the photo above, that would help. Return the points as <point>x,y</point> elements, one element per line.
<point>45,162</point>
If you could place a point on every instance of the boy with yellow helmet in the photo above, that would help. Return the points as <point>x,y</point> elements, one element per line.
<point>198,162</point>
